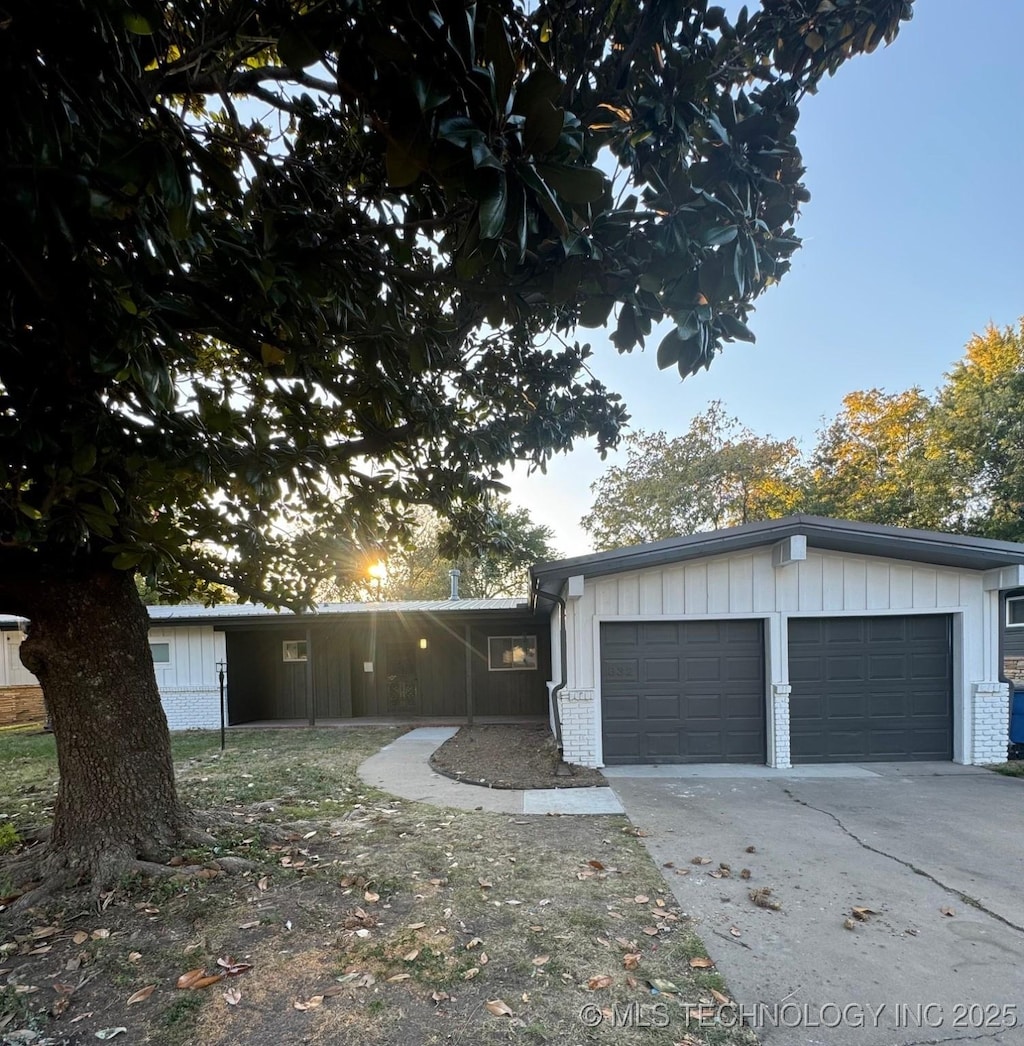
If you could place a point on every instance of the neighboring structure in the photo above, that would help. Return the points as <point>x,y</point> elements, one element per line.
<point>801,640</point>
<point>21,698</point>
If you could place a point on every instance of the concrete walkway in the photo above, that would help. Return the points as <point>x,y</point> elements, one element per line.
<point>403,769</point>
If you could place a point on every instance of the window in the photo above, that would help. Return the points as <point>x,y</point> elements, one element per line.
<point>511,653</point>
<point>293,650</point>
<point>1015,612</point>
<point>161,653</point>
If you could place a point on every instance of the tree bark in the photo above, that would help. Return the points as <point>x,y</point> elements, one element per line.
<point>116,801</point>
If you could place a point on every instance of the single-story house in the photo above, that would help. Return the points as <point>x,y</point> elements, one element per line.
<point>438,659</point>
<point>800,640</point>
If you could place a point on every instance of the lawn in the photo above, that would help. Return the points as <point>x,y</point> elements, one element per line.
<point>367,919</point>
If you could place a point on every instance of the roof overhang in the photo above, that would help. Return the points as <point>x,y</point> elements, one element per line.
<point>834,535</point>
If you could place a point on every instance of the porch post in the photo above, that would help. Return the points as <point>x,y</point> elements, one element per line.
<point>469,674</point>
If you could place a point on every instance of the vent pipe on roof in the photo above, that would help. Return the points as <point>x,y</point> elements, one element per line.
<point>454,575</point>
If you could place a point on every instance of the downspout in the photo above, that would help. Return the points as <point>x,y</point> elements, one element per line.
<point>559,687</point>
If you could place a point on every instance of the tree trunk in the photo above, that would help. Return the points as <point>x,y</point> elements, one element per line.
<point>116,801</point>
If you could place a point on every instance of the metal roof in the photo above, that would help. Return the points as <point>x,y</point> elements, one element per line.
<point>837,535</point>
<point>242,612</point>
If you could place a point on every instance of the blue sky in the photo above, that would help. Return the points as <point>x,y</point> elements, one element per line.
<point>913,240</point>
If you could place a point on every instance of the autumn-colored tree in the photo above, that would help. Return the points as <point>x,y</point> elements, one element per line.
<point>979,433</point>
<point>717,474</point>
<point>877,462</point>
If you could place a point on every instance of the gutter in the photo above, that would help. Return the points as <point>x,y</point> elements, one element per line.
<point>559,687</point>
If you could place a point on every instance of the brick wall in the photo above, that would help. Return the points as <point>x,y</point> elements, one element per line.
<point>21,704</point>
<point>780,758</point>
<point>578,727</point>
<point>990,715</point>
<point>191,707</point>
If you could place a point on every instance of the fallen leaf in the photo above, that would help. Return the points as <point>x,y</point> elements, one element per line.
<point>735,931</point>
<point>249,926</point>
<point>186,980</point>
<point>641,898</point>
<point>100,935</point>
<point>499,1008</point>
<point>232,996</point>
<point>412,956</point>
<point>263,883</point>
<point>474,943</point>
<point>134,956</point>
<point>485,884</point>
<point>597,865</point>
<point>659,984</point>
<point>484,959</point>
<point>109,1033</point>
<point>416,926</point>
<point>470,973</point>
<point>862,913</point>
<point>540,960</point>
<point>631,960</point>
<point>849,924</point>
<point>80,1017</point>
<point>141,995</point>
<point>399,977</point>
<point>602,980</point>
<point>720,997</point>
<point>308,1004</point>
<point>205,982</point>
<point>947,911</point>
<point>701,962</point>
<point>40,932</point>
<point>762,897</point>
<point>440,996</point>
<point>651,931</point>
<point>371,897</point>
<point>80,937</point>
<point>232,968</point>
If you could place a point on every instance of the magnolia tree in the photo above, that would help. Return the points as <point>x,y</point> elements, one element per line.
<point>272,273</point>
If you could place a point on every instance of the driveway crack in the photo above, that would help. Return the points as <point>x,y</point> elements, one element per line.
<point>971,902</point>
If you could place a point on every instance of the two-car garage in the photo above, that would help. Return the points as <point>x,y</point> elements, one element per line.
<point>863,689</point>
<point>798,640</point>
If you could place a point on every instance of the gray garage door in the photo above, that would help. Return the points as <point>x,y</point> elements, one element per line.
<point>683,692</point>
<point>871,688</point>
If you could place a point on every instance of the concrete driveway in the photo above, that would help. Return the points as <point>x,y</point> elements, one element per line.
<point>906,841</point>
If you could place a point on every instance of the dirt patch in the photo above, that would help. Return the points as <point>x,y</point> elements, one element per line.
<point>512,756</point>
<point>372,920</point>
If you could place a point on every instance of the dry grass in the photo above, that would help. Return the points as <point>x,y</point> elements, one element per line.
<point>375,923</point>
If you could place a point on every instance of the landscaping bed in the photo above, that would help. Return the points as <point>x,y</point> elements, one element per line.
<point>510,756</point>
<point>366,919</point>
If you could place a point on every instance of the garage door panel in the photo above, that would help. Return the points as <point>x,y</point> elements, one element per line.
<point>663,706</point>
<point>898,706</point>
<point>623,707</point>
<point>622,670</point>
<point>700,695</point>
<point>660,670</point>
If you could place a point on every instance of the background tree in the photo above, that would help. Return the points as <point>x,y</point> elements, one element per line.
<point>717,474</point>
<point>878,461</point>
<point>271,273</point>
<point>979,433</point>
<point>419,569</point>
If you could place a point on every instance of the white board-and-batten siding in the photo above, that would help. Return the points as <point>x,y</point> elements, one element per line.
<point>189,690</point>
<point>747,584</point>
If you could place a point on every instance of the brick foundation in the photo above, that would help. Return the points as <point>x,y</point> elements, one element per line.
<point>990,714</point>
<point>21,704</point>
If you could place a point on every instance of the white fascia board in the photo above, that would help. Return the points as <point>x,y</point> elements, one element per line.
<point>1004,577</point>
